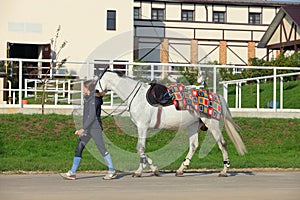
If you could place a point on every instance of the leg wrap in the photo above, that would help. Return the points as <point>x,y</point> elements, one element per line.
<point>143,160</point>
<point>227,163</point>
<point>186,162</point>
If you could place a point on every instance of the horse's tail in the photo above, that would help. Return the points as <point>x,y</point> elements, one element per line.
<point>231,128</point>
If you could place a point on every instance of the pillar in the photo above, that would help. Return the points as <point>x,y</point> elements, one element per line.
<point>164,51</point>
<point>194,51</point>
<point>136,48</point>
<point>223,52</point>
<point>251,51</point>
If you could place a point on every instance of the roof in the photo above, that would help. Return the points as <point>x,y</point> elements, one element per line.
<point>292,11</point>
<point>233,2</point>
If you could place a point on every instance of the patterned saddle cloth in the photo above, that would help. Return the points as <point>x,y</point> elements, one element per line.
<point>196,100</point>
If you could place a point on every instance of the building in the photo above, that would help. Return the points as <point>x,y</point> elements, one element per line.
<point>283,34</point>
<point>202,31</point>
<point>188,31</point>
<point>93,29</point>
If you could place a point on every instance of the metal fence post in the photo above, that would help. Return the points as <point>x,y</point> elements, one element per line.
<point>20,82</point>
<point>274,90</point>
<point>225,91</point>
<point>257,94</point>
<point>152,72</point>
<point>69,91</point>
<point>281,92</point>
<point>236,95</point>
<point>240,94</point>
<point>215,80</point>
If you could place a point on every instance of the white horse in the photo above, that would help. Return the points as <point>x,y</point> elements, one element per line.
<point>144,116</point>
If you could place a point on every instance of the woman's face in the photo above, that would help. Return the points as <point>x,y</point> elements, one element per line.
<point>85,90</point>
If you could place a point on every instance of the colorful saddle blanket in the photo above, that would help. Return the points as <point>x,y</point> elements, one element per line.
<point>193,99</point>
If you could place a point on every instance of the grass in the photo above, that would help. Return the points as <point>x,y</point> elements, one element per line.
<point>291,95</point>
<point>47,143</point>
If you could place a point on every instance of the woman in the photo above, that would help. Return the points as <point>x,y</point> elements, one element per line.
<point>92,128</point>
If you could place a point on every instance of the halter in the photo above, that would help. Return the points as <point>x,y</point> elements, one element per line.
<point>136,86</point>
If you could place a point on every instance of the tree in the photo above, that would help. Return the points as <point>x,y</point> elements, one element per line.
<point>55,64</point>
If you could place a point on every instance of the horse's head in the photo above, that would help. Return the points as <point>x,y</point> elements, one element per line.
<point>101,83</point>
<point>106,79</point>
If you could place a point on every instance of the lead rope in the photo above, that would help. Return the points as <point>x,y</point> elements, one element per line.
<point>110,114</point>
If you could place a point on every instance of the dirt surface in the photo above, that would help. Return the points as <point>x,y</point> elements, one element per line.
<point>239,185</point>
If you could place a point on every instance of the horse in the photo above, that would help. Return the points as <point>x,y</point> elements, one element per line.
<point>144,116</point>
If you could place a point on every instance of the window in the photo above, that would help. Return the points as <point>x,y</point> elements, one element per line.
<point>219,17</point>
<point>137,13</point>
<point>158,14</point>
<point>187,15</point>
<point>254,18</point>
<point>111,20</point>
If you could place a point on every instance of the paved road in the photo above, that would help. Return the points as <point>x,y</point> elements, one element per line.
<point>239,186</point>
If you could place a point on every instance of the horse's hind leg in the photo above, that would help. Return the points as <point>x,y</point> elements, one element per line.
<point>193,141</point>
<point>216,131</point>
<point>226,163</point>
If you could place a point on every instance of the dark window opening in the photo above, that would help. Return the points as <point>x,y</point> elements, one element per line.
<point>158,14</point>
<point>187,15</point>
<point>254,18</point>
<point>111,20</point>
<point>137,13</point>
<point>218,17</point>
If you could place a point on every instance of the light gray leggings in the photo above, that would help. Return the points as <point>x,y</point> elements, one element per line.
<point>96,134</point>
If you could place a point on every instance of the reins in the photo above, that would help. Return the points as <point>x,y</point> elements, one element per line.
<point>120,113</point>
<point>124,101</point>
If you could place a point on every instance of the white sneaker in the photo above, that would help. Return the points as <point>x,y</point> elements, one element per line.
<point>69,175</point>
<point>110,175</point>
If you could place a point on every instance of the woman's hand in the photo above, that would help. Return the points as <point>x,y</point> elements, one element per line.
<point>79,132</point>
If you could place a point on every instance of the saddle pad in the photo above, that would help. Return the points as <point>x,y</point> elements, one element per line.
<point>193,99</point>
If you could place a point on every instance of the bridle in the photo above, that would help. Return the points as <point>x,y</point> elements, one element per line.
<point>137,86</point>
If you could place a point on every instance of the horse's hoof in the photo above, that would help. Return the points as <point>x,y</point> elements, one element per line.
<point>223,175</point>
<point>178,173</point>
<point>156,172</point>
<point>136,174</point>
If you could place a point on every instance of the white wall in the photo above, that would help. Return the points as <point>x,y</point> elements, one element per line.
<point>83,25</point>
<point>237,14</point>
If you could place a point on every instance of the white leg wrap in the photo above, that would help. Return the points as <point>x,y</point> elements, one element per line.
<point>186,162</point>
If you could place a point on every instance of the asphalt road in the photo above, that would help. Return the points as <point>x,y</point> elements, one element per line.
<point>205,185</point>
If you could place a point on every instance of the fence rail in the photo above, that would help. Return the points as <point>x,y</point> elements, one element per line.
<point>67,87</point>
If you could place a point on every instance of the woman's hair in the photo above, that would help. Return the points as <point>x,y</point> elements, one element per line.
<point>90,85</point>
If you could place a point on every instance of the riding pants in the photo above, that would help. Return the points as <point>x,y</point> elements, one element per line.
<point>96,134</point>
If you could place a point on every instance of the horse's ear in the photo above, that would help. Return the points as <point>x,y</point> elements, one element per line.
<point>101,75</point>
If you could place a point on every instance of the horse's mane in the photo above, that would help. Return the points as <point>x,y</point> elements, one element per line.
<point>120,74</point>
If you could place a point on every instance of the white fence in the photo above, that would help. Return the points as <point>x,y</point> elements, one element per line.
<point>60,88</point>
<point>238,83</point>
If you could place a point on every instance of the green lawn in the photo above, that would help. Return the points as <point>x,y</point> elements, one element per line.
<point>291,95</point>
<point>47,143</point>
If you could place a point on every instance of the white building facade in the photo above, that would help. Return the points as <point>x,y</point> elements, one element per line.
<point>198,31</point>
<point>26,27</point>
<point>189,31</point>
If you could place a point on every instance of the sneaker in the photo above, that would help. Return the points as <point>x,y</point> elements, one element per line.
<point>110,175</point>
<point>69,175</point>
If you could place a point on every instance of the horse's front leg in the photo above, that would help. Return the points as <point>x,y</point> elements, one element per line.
<point>193,142</point>
<point>144,159</point>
